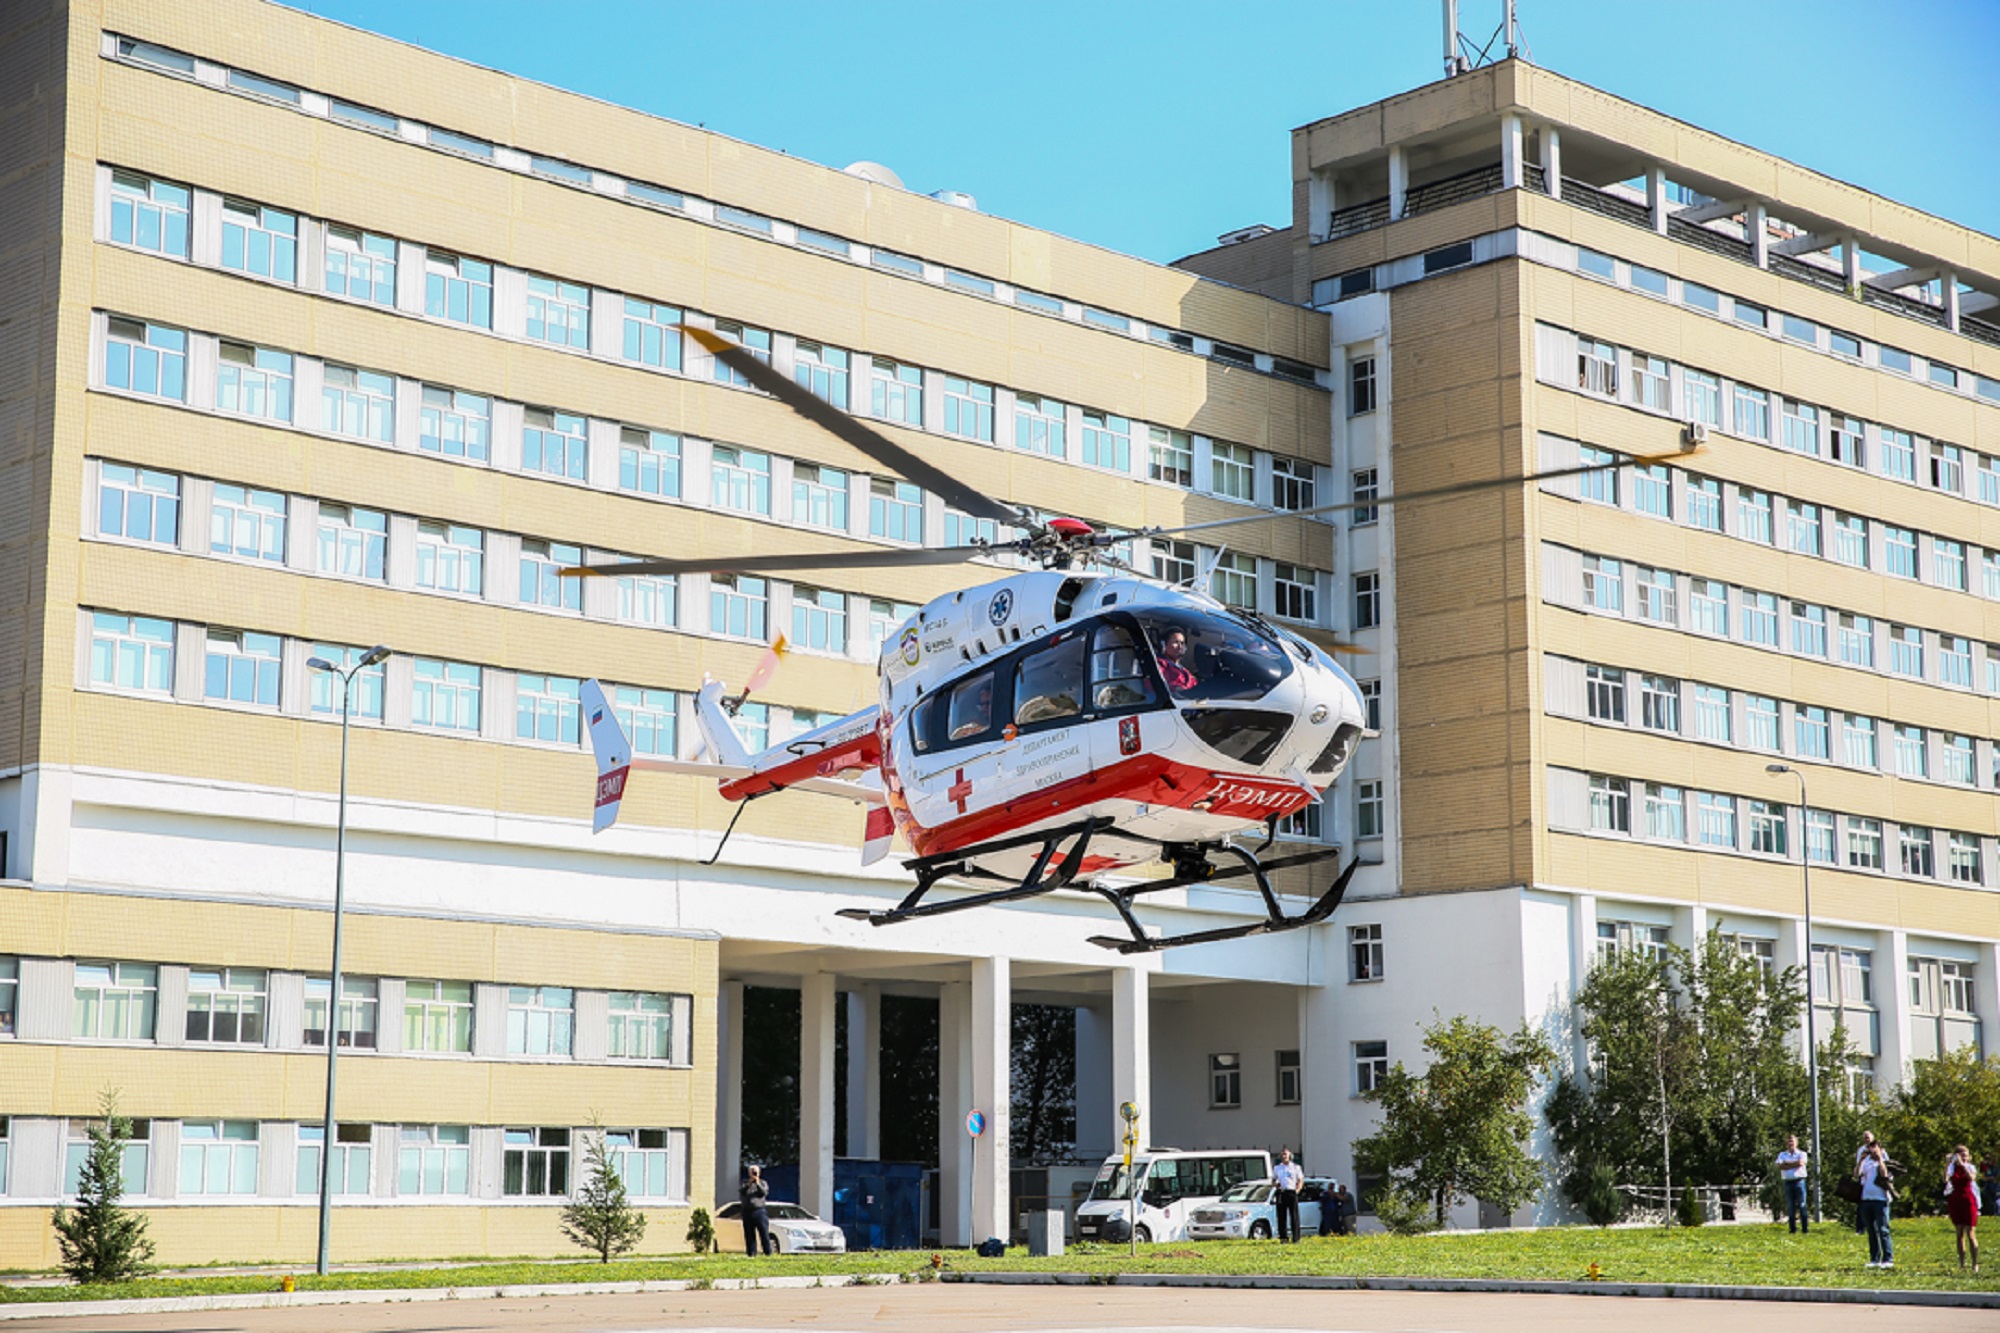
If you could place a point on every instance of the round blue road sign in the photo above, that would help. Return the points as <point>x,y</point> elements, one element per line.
<point>975,1123</point>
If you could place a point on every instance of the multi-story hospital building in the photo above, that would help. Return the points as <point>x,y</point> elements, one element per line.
<point>313,341</point>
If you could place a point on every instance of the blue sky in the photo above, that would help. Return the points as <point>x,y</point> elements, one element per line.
<point>1152,127</point>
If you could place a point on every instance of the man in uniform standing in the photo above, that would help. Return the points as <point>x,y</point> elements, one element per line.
<point>1287,1177</point>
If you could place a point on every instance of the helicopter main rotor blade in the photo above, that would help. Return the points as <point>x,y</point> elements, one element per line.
<point>870,442</point>
<point>754,564</point>
<point>1457,488</point>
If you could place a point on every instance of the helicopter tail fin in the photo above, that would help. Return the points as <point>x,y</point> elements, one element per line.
<point>725,744</point>
<point>614,755</point>
<point>878,833</point>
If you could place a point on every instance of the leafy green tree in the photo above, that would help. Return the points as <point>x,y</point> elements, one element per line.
<point>101,1240</point>
<point>1460,1129</point>
<point>1951,1100</point>
<point>598,1216</point>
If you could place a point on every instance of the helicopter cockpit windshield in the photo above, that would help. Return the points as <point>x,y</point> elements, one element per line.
<point>1214,657</point>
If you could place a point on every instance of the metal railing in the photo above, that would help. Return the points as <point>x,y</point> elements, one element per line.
<point>1591,198</point>
<point>1434,195</point>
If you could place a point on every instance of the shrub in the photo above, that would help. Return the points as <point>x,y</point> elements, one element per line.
<point>701,1232</point>
<point>600,1218</point>
<point>1596,1192</point>
<point>1692,1211</point>
<point>1402,1212</point>
<point>102,1241</point>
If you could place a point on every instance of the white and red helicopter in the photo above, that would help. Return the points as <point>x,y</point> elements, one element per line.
<point>1050,728</point>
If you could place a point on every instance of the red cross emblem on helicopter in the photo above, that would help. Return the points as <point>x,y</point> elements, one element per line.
<point>959,791</point>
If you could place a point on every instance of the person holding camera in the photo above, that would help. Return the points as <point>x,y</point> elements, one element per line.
<point>1878,1191</point>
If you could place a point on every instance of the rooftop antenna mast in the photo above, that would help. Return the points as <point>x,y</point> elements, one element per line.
<point>1462,54</point>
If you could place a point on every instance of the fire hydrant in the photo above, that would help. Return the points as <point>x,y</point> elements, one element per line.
<point>1596,1273</point>
<point>287,1283</point>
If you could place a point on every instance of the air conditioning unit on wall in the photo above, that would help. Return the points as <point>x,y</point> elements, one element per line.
<point>1694,433</point>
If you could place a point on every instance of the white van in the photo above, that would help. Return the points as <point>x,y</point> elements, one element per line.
<point>1171,1184</point>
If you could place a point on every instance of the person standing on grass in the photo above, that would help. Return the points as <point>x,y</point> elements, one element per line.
<point>1961,1200</point>
<point>756,1220</point>
<point>1287,1178</point>
<point>1877,1192</point>
<point>1792,1169</point>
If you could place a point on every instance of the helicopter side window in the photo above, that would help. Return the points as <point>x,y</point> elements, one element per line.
<point>922,719</point>
<point>1117,671</point>
<point>1049,683</point>
<point>971,712</point>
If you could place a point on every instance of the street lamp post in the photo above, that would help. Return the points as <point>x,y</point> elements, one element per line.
<point>1812,1039</point>
<point>368,659</point>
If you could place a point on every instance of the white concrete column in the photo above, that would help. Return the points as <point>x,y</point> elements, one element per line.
<point>1690,925</point>
<point>954,1100</point>
<point>1510,151</point>
<point>1850,261</point>
<point>864,1073</point>
<point>1760,244</point>
<point>1656,196</point>
<point>1985,997</point>
<point>1131,1051</point>
<point>1583,956</point>
<point>992,1050</point>
<point>816,1001</point>
<point>1096,1108</point>
<point>1891,967</point>
<point>1948,293</point>
<point>1399,180</point>
<point>728,1091</point>
<point>1791,952</point>
<point>1320,202</point>
<point>1552,161</point>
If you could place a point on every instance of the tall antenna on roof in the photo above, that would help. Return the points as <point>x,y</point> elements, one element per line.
<point>1462,54</point>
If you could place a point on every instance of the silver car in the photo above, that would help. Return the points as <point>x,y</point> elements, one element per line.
<point>793,1229</point>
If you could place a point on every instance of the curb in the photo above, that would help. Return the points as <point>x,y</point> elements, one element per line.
<point>1982,1300</point>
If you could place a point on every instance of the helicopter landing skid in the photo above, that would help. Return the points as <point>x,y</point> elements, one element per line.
<point>1039,879</point>
<point>1274,921</point>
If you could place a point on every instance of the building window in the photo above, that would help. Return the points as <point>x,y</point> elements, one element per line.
<point>883,619</point>
<point>138,504</point>
<point>450,558</point>
<point>1371,699</point>
<point>649,718</point>
<point>242,668</point>
<point>736,606</point>
<point>1754,522</point>
<point>1289,1082</point>
<point>648,600</point>
<point>652,337</point>
<point>547,709</point>
<point>540,1020</point>
<point>348,1169</point>
<point>1304,824</point>
<point>1906,651</point>
<point>133,653</point>
<point>1814,732</point>
<point>1364,493</point>
<point>115,1001</point>
<point>367,689</point>
<point>359,404</point>
<point>1711,714</point>
<point>1616,937</point>
<point>254,382</point>
<point>1040,425</point>
<point>554,443</point>
<point>1702,395</point>
<point>819,619</point>
<point>895,510</point>
<point>1371,1066</point>
<point>558,312</point>
<point>1604,693</point>
<point>1954,661</point>
<point>1850,540</point>
<point>1820,842</point>
<point>1653,595</point>
<point>1701,298</point>
<point>1232,471</point>
<point>1716,818</point>
<point>218,1157</point>
<point>10,988</point>
<point>1360,386</point>
<point>1846,440</point>
<point>1596,367</point>
<point>361,266</point>
<point>1364,953</point>
<point>1234,581</point>
<point>652,1163</point>
<point>1753,315</point>
<point>455,424</point>
<point>739,479</point>
<point>146,359</point>
<point>445,695</point>
<point>1225,1081</point>
<point>1610,804</point>
<point>535,1162</point>
<point>1704,503</point>
<point>1296,590</point>
<point>1914,845</point>
<point>896,392</point>
<point>1948,563</point>
<point>542,583</point>
<point>1899,454</point>
<point>1708,607</point>
<point>1107,443</point>
<point>1597,264</point>
<point>1808,629</point>
<point>1802,527</point>
<point>1652,490</point>
<point>434,1159</point>
<point>968,409</point>
<point>1910,751</point>
<point>1857,739</point>
<point>1600,487</point>
<point>1964,859</point>
<point>1660,704</point>
<point>642,1026</point>
<point>1603,584</point>
<point>1650,386</point>
<point>649,462</point>
<point>135,1158</point>
<point>260,241</point>
<point>150,214</point>
<point>1368,809</point>
<point>1864,843</point>
<point>1173,562</point>
<point>1801,427</point>
<point>457,289</point>
<point>353,542</point>
<point>1367,600</point>
<point>1665,813</point>
<point>356,1021</point>
<point>822,372</point>
<point>1760,618</point>
<point>1292,484</point>
<point>437,1016</point>
<point>1899,552</point>
<point>1955,762</point>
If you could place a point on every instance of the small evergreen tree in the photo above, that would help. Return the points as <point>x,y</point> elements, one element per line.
<point>101,1240</point>
<point>599,1217</point>
<point>701,1231</point>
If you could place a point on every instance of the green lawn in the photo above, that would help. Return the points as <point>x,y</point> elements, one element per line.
<point>1831,1256</point>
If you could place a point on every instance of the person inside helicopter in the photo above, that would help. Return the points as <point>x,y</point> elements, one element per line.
<point>1212,657</point>
<point>1173,647</point>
